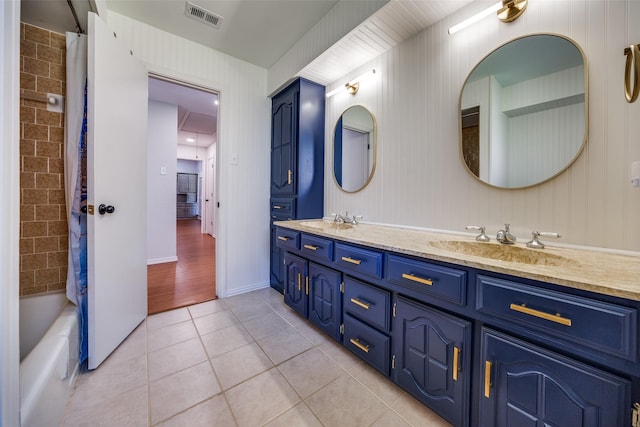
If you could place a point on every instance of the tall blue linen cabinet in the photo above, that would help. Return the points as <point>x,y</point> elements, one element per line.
<point>297,161</point>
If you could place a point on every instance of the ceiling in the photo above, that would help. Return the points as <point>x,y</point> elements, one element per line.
<point>259,31</point>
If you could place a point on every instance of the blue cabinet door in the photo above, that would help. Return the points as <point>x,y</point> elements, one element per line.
<point>524,385</point>
<point>284,122</point>
<point>325,302</point>
<point>432,358</point>
<point>277,263</point>
<point>296,291</point>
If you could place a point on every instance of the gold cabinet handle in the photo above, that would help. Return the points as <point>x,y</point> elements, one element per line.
<point>289,177</point>
<point>299,282</point>
<point>632,68</point>
<point>278,207</point>
<point>351,260</point>
<point>456,357</point>
<point>311,247</point>
<point>359,303</point>
<point>357,343</point>
<point>307,284</point>
<point>557,318</point>
<point>417,279</point>
<point>487,379</point>
<point>283,238</point>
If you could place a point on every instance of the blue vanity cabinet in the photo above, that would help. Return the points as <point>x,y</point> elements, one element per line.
<point>525,385</point>
<point>432,358</point>
<point>297,160</point>
<point>478,347</point>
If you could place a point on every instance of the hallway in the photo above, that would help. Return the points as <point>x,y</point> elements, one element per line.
<point>190,280</point>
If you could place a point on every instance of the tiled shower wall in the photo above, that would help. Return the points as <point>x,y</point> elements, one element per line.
<point>43,225</point>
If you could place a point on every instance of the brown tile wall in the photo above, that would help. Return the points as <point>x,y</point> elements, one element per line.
<point>43,224</point>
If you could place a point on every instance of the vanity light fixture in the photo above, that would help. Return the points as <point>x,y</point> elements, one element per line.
<point>507,11</point>
<point>352,86</point>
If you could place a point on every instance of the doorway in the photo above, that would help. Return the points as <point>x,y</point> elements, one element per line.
<point>182,271</point>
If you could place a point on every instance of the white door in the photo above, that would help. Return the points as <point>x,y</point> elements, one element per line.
<point>116,176</point>
<point>210,199</point>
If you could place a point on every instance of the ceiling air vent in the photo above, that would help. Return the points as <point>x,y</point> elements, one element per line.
<point>202,15</point>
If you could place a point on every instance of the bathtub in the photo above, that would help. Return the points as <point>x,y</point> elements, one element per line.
<point>49,365</point>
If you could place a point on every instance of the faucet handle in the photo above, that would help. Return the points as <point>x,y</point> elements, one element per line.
<point>534,243</point>
<point>482,237</point>
<point>355,219</point>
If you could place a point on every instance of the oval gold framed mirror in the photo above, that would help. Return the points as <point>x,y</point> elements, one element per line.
<point>523,111</point>
<point>354,149</point>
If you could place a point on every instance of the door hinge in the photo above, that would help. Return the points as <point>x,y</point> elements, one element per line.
<point>342,287</point>
<point>342,329</point>
<point>394,309</point>
<point>393,362</point>
<point>635,415</point>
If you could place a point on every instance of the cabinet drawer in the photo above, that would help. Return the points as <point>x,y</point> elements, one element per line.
<point>316,247</point>
<point>441,282</point>
<point>287,239</point>
<point>590,323</point>
<point>361,260</point>
<point>282,209</point>
<point>368,303</point>
<point>370,345</point>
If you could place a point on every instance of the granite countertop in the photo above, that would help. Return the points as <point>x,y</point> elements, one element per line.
<point>595,271</point>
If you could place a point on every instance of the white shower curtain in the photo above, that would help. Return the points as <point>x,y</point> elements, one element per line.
<point>75,146</point>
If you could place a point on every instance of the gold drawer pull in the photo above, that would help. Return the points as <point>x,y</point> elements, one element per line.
<point>351,260</point>
<point>557,318</point>
<point>487,379</point>
<point>278,207</point>
<point>357,343</point>
<point>285,239</point>
<point>311,247</point>
<point>456,356</point>
<point>299,282</point>
<point>289,177</point>
<point>417,279</point>
<point>357,302</point>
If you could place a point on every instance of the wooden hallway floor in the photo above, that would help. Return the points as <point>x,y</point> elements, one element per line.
<point>190,280</point>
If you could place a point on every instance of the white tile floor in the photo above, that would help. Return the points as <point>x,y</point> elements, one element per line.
<point>247,360</point>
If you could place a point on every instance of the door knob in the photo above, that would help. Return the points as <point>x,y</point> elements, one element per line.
<point>103,209</point>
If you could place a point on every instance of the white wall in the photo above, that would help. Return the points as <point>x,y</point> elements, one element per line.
<point>161,188</point>
<point>242,240</point>
<point>419,178</point>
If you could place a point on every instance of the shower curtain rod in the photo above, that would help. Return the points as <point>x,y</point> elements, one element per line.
<point>75,17</point>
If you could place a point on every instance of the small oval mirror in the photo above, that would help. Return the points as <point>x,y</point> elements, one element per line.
<point>523,111</point>
<point>354,149</point>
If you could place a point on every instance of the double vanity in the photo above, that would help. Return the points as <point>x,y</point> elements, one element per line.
<point>484,334</point>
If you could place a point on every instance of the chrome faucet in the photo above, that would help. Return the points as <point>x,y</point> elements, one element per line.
<point>337,218</point>
<point>505,237</point>
<point>482,237</point>
<point>534,243</point>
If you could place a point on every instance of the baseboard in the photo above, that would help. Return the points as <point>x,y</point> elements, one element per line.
<point>245,289</point>
<point>162,260</point>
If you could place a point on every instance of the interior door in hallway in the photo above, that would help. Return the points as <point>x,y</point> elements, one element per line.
<point>116,177</point>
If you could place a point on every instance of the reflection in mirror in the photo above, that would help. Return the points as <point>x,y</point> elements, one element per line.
<point>354,148</point>
<point>523,111</point>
